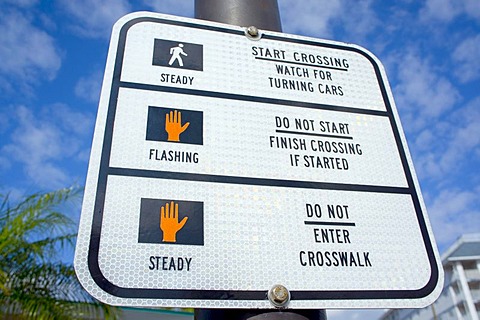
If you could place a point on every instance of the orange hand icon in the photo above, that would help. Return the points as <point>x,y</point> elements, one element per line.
<point>169,222</point>
<point>173,125</point>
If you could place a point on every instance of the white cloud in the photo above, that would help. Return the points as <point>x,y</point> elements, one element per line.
<point>421,91</point>
<point>465,139</point>
<point>454,212</point>
<point>84,155</point>
<point>451,145</point>
<point>35,143</point>
<point>308,17</point>
<point>441,10</point>
<point>184,8</point>
<point>466,57</point>
<point>22,3</point>
<point>95,19</point>
<point>424,140</point>
<point>358,20</point>
<point>28,54</point>
<point>43,139</point>
<point>472,8</point>
<point>447,10</point>
<point>69,120</point>
<point>89,87</point>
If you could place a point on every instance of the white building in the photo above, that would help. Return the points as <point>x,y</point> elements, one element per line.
<point>460,298</point>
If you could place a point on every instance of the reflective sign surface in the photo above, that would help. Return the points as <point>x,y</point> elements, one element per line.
<point>223,165</point>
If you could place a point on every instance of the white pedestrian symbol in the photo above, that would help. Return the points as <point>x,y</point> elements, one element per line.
<point>176,52</point>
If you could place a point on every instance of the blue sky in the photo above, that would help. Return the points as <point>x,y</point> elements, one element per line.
<point>53,54</point>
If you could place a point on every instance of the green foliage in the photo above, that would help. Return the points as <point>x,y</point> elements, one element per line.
<point>33,284</point>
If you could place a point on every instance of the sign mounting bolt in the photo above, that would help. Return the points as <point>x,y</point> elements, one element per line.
<point>253,32</point>
<point>279,296</point>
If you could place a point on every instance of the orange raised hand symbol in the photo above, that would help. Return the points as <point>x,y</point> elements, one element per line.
<point>173,125</point>
<point>169,222</point>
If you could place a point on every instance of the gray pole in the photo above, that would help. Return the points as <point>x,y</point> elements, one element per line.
<point>262,14</point>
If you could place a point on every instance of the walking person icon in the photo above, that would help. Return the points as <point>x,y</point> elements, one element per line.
<point>176,52</point>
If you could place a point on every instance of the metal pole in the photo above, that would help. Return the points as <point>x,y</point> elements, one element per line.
<point>262,14</point>
<point>259,314</point>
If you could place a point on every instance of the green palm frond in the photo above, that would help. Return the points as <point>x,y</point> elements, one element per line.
<point>32,284</point>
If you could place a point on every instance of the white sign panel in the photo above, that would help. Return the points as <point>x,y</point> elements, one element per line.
<point>223,165</point>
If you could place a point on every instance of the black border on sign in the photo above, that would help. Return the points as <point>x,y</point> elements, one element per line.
<point>105,171</point>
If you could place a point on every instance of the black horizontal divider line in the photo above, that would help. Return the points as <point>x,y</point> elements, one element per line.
<point>253,181</point>
<point>330,223</point>
<point>194,294</point>
<point>232,96</point>
<point>314,134</point>
<point>303,64</point>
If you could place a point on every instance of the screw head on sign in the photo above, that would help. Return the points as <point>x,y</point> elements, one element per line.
<point>279,296</point>
<point>253,33</point>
